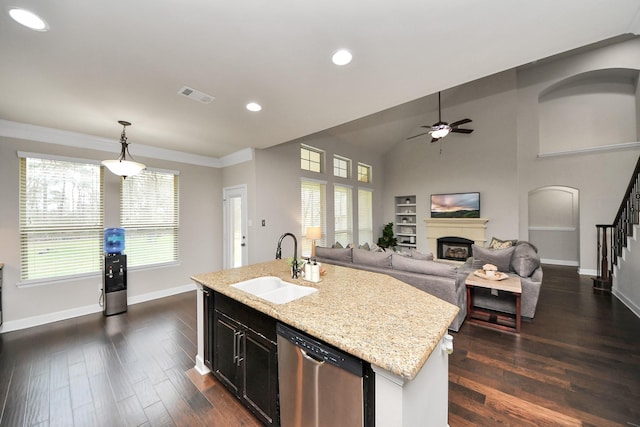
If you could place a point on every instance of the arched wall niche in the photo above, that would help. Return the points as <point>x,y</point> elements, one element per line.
<point>554,224</point>
<point>589,110</point>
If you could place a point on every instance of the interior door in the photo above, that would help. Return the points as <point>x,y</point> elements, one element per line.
<point>236,252</point>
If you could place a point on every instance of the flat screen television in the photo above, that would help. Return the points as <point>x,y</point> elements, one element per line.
<point>455,205</point>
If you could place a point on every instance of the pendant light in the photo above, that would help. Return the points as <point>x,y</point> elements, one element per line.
<point>122,166</point>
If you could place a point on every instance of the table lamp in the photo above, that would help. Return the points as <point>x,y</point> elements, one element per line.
<point>313,233</point>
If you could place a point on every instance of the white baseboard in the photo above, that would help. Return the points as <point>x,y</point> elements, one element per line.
<point>626,301</point>
<point>560,262</point>
<point>29,322</point>
<point>587,272</point>
<point>200,366</point>
<point>161,294</point>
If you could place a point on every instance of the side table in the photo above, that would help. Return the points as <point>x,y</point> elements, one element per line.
<point>494,319</point>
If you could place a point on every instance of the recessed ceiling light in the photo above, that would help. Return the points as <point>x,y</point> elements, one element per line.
<point>254,106</point>
<point>28,19</point>
<point>341,57</point>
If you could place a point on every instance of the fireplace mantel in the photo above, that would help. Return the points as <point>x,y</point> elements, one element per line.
<point>470,228</point>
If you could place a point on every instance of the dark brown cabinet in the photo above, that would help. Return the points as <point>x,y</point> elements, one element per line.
<point>245,357</point>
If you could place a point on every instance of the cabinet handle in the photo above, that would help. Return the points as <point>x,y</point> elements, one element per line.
<point>235,347</point>
<point>240,349</point>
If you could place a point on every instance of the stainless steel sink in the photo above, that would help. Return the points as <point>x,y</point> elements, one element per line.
<point>274,289</point>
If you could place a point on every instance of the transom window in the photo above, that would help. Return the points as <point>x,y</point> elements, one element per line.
<point>341,167</point>
<point>311,159</point>
<point>364,173</point>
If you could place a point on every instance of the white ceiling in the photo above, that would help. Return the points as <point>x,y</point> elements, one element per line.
<point>104,61</point>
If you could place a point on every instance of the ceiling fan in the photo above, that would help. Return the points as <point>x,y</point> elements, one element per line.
<point>441,129</point>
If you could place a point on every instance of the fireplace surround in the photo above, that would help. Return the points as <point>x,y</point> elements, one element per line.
<point>473,229</point>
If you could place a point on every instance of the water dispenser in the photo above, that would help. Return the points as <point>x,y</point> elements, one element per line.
<point>115,272</point>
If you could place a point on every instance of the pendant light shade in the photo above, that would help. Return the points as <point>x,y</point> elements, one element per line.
<point>122,166</point>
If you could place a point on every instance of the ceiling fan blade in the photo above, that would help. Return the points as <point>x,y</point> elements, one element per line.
<point>434,139</point>
<point>458,130</point>
<point>460,122</point>
<point>415,136</point>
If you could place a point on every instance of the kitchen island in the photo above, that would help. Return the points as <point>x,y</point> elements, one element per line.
<point>395,327</point>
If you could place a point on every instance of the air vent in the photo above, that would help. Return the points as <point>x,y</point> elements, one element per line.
<point>196,95</point>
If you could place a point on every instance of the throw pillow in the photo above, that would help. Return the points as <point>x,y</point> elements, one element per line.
<point>365,247</point>
<point>419,255</point>
<point>525,259</point>
<point>433,268</point>
<point>374,259</point>
<point>376,248</point>
<point>501,244</point>
<point>501,258</point>
<point>338,254</point>
<point>337,245</point>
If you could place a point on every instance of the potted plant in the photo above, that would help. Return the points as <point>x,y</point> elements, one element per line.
<point>387,240</point>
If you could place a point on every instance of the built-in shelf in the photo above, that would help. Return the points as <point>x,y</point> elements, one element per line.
<point>405,221</point>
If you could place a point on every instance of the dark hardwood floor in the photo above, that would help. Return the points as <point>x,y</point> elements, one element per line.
<point>577,363</point>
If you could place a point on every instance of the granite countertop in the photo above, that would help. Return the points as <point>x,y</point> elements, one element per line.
<point>373,316</point>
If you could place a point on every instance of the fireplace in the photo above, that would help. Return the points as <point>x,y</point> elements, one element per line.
<point>454,248</point>
<point>473,229</point>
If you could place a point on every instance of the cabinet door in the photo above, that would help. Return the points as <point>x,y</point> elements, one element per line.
<point>260,368</point>
<point>226,336</point>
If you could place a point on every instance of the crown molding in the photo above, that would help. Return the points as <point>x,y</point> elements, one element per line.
<point>80,140</point>
<point>611,147</point>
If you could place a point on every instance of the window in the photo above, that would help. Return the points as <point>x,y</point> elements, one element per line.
<point>311,159</point>
<point>343,215</point>
<point>365,217</point>
<point>61,218</point>
<point>313,212</point>
<point>149,215</point>
<point>341,167</point>
<point>364,173</point>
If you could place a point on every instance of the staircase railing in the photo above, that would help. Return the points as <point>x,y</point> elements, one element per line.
<point>618,232</point>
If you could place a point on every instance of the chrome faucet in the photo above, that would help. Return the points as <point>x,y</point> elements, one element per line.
<point>294,265</point>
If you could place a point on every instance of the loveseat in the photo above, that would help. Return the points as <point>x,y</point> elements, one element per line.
<point>443,280</point>
<point>516,259</point>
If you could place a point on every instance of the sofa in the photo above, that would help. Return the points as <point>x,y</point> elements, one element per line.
<point>440,279</point>
<point>446,280</point>
<point>516,258</point>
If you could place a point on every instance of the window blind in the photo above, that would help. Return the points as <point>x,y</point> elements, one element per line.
<point>61,219</point>
<point>343,215</point>
<point>313,212</point>
<point>365,216</point>
<point>149,214</point>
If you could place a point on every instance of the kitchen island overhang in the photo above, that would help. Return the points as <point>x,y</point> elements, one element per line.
<point>379,319</point>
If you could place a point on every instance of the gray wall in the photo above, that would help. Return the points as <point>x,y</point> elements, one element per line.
<point>200,215</point>
<point>501,158</point>
<point>277,199</point>
<point>483,161</point>
<point>601,177</point>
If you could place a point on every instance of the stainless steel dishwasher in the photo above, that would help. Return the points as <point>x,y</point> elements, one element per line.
<point>320,386</point>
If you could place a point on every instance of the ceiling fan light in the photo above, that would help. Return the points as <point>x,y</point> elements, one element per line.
<point>440,133</point>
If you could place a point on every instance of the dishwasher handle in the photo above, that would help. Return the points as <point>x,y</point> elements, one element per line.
<point>310,357</point>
